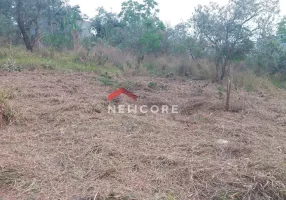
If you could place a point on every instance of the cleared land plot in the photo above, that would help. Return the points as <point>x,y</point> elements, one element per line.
<point>64,145</point>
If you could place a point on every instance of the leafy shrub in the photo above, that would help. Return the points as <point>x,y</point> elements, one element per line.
<point>152,85</point>
<point>58,41</point>
<point>48,65</point>
<point>106,80</point>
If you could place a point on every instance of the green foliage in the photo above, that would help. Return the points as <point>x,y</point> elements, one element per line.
<point>58,41</point>
<point>48,65</point>
<point>4,25</point>
<point>269,55</point>
<point>221,34</point>
<point>105,23</point>
<point>8,28</point>
<point>69,21</point>
<point>279,83</point>
<point>150,39</point>
<point>55,22</point>
<point>152,85</point>
<point>63,34</point>
<point>141,27</point>
<point>229,28</point>
<point>106,80</point>
<point>48,59</point>
<point>133,12</point>
<point>282,30</point>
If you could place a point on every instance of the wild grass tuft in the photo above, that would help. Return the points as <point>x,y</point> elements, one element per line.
<point>8,177</point>
<point>252,83</point>
<point>6,112</point>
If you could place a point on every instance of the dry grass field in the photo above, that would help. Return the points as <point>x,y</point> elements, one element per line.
<point>60,142</point>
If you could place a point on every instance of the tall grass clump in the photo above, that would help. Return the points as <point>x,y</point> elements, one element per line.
<point>250,82</point>
<point>6,111</point>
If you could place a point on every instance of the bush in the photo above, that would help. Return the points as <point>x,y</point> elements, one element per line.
<point>58,41</point>
<point>152,85</point>
<point>106,80</point>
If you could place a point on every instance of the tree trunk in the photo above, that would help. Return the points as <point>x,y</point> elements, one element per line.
<point>36,41</point>
<point>21,24</point>
<point>226,64</point>
<point>50,21</point>
<point>140,59</point>
<point>76,40</point>
<point>223,71</point>
<point>217,69</point>
<point>228,92</point>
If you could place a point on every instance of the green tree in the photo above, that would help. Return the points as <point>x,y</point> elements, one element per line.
<point>133,12</point>
<point>282,30</point>
<point>29,15</point>
<point>40,20</point>
<point>269,56</point>
<point>230,29</point>
<point>7,27</point>
<point>144,30</point>
<point>63,26</point>
<point>181,41</point>
<point>106,24</point>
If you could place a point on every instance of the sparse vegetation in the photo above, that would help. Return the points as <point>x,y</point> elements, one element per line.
<point>8,177</point>
<point>106,80</point>
<point>220,92</point>
<point>152,85</point>
<point>6,112</point>
<point>251,154</point>
<point>252,83</point>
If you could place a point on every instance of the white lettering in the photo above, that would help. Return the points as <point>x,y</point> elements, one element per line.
<point>155,109</point>
<point>132,110</point>
<point>121,109</point>
<point>143,107</point>
<point>111,109</point>
<point>165,109</point>
<point>175,109</point>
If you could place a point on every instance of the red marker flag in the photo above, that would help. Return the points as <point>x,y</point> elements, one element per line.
<point>121,91</point>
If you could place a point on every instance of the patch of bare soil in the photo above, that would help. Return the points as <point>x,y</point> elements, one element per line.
<point>65,145</point>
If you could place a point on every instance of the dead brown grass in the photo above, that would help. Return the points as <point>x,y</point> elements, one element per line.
<point>70,148</point>
<point>105,55</point>
<point>252,83</point>
<point>180,65</point>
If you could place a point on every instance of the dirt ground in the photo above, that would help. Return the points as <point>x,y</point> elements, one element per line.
<point>63,143</point>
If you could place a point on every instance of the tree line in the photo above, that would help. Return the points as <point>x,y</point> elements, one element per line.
<point>239,30</point>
